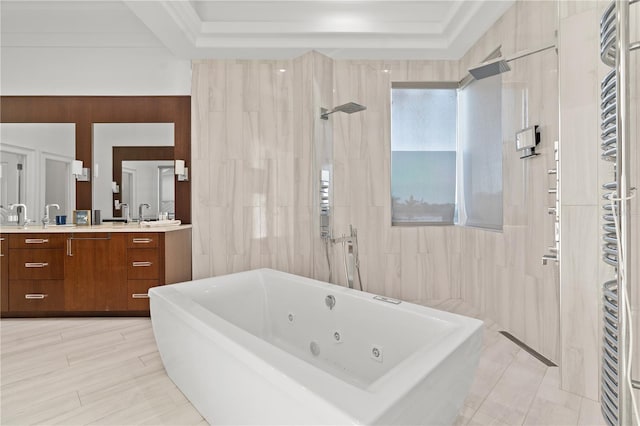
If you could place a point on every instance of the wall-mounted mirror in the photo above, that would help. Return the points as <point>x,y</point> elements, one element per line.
<point>35,169</point>
<point>125,157</point>
<point>148,182</point>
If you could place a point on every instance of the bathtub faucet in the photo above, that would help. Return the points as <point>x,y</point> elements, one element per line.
<point>350,256</point>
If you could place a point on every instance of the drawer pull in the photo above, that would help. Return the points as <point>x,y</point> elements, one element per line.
<point>139,296</point>
<point>35,296</point>
<point>36,265</point>
<point>142,240</point>
<point>141,264</point>
<point>36,240</point>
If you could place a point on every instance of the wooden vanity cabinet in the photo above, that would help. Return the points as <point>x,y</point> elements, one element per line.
<point>36,272</point>
<point>95,272</point>
<point>145,252</point>
<point>155,259</point>
<point>89,273</point>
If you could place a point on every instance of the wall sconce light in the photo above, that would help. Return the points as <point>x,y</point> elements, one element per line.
<point>82,174</point>
<point>181,171</point>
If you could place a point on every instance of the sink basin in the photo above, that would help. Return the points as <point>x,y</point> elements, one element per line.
<point>36,227</point>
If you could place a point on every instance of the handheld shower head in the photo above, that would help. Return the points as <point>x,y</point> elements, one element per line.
<point>348,108</point>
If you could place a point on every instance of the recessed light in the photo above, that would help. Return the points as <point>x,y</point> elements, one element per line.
<point>282,70</point>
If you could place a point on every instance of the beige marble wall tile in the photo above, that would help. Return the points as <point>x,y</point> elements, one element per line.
<point>216,74</point>
<point>570,8</point>
<point>535,26</point>
<point>580,299</point>
<point>392,275</point>
<point>233,110</point>
<point>249,157</point>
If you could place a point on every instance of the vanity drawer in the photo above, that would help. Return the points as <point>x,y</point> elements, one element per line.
<point>4,273</point>
<point>45,264</point>
<point>137,294</point>
<point>142,264</point>
<point>142,240</point>
<point>4,245</point>
<point>36,295</point>
<point>36,241</point>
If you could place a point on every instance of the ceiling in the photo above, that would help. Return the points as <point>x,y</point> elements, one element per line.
<point>354,29</point>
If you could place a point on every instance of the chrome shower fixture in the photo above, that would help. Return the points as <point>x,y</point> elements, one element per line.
<point>489,69</point>
<point>348,108</point>
<point>500,65</point>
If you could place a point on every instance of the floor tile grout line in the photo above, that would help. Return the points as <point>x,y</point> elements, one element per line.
<point>535,396</point>
<point>484,399</point>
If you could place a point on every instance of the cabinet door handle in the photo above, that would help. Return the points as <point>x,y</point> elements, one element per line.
<point>141,264</point>
<point>142,240</point>
<point>36,240</point>
<point>36,265</point>
<point>139,296</point>
<point>35,296</point>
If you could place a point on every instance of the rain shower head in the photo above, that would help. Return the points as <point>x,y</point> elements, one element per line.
<point>489,69</point>
<point>348,108</point>
<point>500,65</point>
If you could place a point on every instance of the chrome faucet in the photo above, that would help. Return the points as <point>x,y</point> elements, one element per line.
<point>21,208</point>
<point>46,220</point>
<point>140,211</point>
<point>125,212</point>
<point>350,245</point>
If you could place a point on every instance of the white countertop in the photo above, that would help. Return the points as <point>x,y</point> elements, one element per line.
<point>106,227</point>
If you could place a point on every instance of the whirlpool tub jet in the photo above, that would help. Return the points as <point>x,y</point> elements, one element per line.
<point>259,347</point>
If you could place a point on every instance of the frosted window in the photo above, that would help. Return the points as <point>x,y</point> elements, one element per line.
<point>479,168</point>
<point>423,155</point>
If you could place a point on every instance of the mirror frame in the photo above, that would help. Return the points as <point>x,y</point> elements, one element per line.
<point>84,111</point>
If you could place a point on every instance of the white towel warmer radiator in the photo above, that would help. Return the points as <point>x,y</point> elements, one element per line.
<point>616,403</point>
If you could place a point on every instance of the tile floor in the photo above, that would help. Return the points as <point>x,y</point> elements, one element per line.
<point>107,371</point>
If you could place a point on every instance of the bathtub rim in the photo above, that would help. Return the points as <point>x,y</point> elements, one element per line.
<point>273,363</point>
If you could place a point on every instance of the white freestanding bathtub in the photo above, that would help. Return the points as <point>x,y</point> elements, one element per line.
<point>266,347</point>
